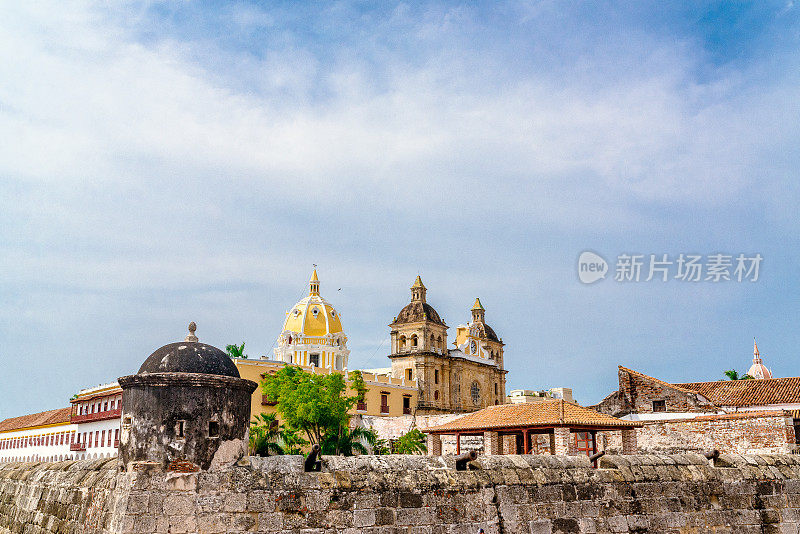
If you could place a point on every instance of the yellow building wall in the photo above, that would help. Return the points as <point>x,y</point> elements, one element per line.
<point>376,385</point>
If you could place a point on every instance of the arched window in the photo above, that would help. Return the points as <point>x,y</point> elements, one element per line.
<point>402,342</point>
<point>433,342</point>
<point>414,340</point>
<point>439,343</point>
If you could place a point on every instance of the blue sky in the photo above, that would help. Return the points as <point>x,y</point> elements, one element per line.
<point>169,162</point>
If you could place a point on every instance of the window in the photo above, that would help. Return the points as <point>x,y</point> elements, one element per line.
<point>435,376</point>
<point>313,359</point>
<point>384,403</point>
<point>436,395</point>
<point>102,438</point>
<point>475,393</point>
<point>406,404</point>
<point>180,429</point>
<point>361,406</point>
<point>402,342</point>
<point>213,429</point>
<point>315,312</point>
<point>659,406</point>
<point>105,406</point>
<point>116,437</point>
<point>495,388</point>
<point>584,443</point>
<point>409,374</point>
<point>414,341</point>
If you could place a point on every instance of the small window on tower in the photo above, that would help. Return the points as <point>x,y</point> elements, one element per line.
<point>180,429</point>
<point>659,406</point>
<point>435,376</point>
<point>213,429</point>
<point>409,374</point>
<point>333,313</point>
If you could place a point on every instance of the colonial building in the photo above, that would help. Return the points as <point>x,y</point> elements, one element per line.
<point>464,379</point>
<point>386,395</point>
<point>753,416</point>
<point>96,416</point>
<point>312,333</point>
<point>44,436</point>
<point>89,429</point>
<point>547,427</point>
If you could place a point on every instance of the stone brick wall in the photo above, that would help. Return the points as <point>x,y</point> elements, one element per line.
<point>742,433</point>
<point>58,497</point>
<point>412,494</point>
<point>637,392</point>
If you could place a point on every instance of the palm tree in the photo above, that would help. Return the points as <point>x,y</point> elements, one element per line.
<point>236,351</point>
<point>348,442</point>
<point>732,374</point>
<point>265,432</point>
<point>412,442</point>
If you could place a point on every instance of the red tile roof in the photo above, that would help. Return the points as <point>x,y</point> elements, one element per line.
<point>546,413</point>
<point>748,392</point>
<point>679,387</point>
<point>50,417</point>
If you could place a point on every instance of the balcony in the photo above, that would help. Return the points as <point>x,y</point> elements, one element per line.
<point>361,406</point>
<point>79,447</point>
<point>116,444</point>
<point>384,408</point>
<point>98,416</point>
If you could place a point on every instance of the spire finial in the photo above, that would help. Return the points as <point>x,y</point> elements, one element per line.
<point>192,330</point>
<point>313,284</point>
<point>478,311</point>
<point>418,290</point>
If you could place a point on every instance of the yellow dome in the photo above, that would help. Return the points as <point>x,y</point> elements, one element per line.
<point>313,316</point>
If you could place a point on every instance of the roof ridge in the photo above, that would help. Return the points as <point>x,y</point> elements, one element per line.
<point>675,386</point>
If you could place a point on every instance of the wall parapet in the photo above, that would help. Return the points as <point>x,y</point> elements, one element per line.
<point>374,494</point>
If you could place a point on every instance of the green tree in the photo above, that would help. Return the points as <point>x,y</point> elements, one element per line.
<point>314,404</point>
<point>265,433</point>
<point>269,438</point>
<point>347,441</point>
<point>236,351</point>
<point>732,374</point>
<point>412,442</point>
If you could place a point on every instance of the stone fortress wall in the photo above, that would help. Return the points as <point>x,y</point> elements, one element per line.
<point>410,494</point>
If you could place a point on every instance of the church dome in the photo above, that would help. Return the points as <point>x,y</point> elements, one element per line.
<point>189,356</point>
<point>313,316</point>
<point>418,310</point>
<point>758,369</point>
<point>415,312</point>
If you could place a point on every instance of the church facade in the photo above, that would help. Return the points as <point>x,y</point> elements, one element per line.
<point>466,378</point>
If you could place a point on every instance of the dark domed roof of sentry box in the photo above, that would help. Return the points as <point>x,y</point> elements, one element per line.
<point>190,356</point>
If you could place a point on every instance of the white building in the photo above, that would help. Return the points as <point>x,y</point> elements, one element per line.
<point>96,414</point>
<point>44,436</point>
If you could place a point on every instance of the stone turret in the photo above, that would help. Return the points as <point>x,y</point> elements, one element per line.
<point>186,409</point>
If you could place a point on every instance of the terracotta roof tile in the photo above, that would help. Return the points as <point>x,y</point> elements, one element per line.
<point>542,414</point>
<point>748,392</point>
<point>49,417</point>
<point>679,387</point>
